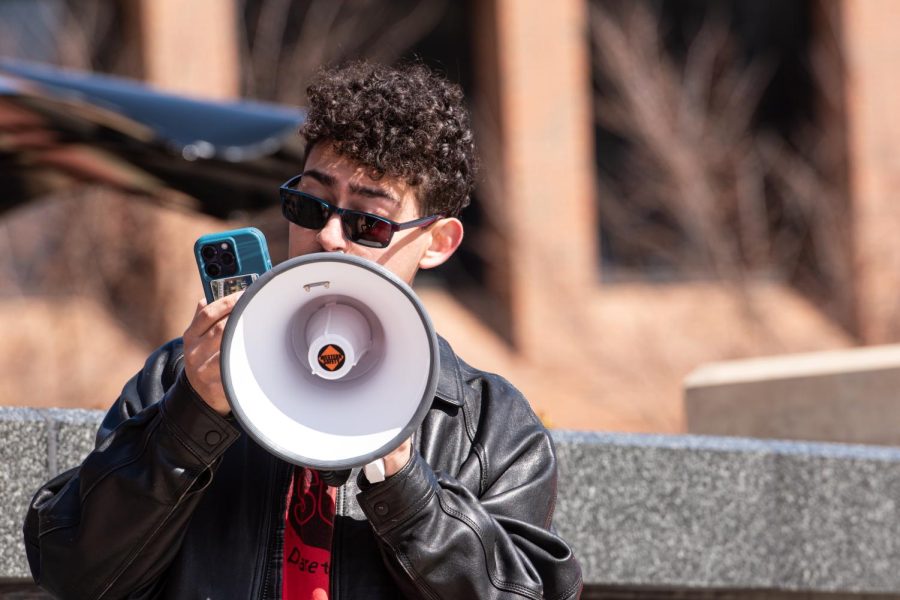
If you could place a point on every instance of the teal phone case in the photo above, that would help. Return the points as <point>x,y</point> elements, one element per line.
<point>251,259</point>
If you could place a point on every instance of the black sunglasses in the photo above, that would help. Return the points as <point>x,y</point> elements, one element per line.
<point>359,227</point>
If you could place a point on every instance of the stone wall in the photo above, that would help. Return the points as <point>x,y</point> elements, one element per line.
<point>721,517</point>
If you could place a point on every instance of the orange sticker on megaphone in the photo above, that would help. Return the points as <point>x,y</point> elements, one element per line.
<point>331,357</point>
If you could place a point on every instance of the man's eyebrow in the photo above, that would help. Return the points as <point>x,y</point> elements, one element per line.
<point>323,178</point>
<point>373,192</point>
<point>356,188</point>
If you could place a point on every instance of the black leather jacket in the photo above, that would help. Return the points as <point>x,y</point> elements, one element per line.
<point>175,502</point>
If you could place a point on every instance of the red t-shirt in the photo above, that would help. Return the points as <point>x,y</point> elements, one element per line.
<point>309,524</point>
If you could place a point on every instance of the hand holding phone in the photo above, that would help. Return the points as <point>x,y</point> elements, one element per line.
<point>202,341</point>
<point>228,262</point>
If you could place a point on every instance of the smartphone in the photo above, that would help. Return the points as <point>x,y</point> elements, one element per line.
<point>229,261</point>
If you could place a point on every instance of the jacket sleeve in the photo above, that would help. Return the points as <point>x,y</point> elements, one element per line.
<point>110,527</point>
<point>441,539</point>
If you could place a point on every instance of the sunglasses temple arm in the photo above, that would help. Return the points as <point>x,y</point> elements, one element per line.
<point>418,222</point>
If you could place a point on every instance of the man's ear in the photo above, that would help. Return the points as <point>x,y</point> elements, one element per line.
<point>446,236</point>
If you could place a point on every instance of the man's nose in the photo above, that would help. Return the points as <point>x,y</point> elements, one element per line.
<point>331,237</point>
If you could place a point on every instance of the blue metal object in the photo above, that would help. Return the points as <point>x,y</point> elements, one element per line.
<point>230,156</point>
<point>232,131</point>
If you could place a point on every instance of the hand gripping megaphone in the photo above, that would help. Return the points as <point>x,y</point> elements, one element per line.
<point>329,361</point>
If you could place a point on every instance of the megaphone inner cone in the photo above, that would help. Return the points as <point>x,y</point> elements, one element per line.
<point>337,337</point>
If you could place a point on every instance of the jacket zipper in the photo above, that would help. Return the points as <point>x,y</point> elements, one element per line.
<point>273,543</point>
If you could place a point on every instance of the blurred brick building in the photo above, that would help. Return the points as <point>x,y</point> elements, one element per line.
<point>590,351</point>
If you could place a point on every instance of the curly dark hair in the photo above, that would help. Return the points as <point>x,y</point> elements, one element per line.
<point>403,121</point>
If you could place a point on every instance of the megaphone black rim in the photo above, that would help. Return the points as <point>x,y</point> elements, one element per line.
<point>286,453</point>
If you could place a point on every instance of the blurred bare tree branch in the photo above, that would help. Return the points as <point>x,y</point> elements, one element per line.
<point>699,188</point>
<point>287,41</point>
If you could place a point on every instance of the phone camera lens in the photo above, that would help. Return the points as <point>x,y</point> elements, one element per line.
<point>208,252</point>
<point>227,258</point>
<point>213,270</point>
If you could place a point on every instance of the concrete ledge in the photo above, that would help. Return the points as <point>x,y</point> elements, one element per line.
<point>848,396</point>
<point>664,512</point>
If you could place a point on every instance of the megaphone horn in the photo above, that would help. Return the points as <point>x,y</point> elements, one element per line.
<point>329,361</point>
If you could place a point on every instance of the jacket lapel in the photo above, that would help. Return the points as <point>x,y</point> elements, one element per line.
<point>450,385</point>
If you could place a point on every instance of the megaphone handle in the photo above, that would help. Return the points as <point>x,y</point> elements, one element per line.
<point>375,471</point>
<point>335,478</point>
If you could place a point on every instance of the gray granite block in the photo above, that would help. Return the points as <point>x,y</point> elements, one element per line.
<point>23,468</point>
<point>35,445</point>
<point>75,431</point>
<point>696,512</point>
<point>663,512</point>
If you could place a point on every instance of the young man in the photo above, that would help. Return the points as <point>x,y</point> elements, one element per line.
<point>177,502</point>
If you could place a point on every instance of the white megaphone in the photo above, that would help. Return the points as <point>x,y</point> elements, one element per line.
<point>329,361</point>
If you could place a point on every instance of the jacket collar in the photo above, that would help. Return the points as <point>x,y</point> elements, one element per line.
<point>450,384</point>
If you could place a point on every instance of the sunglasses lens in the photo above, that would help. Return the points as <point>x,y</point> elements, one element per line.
<point>367,230</point>
<point>311,213</point>
<point>304,211</point>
